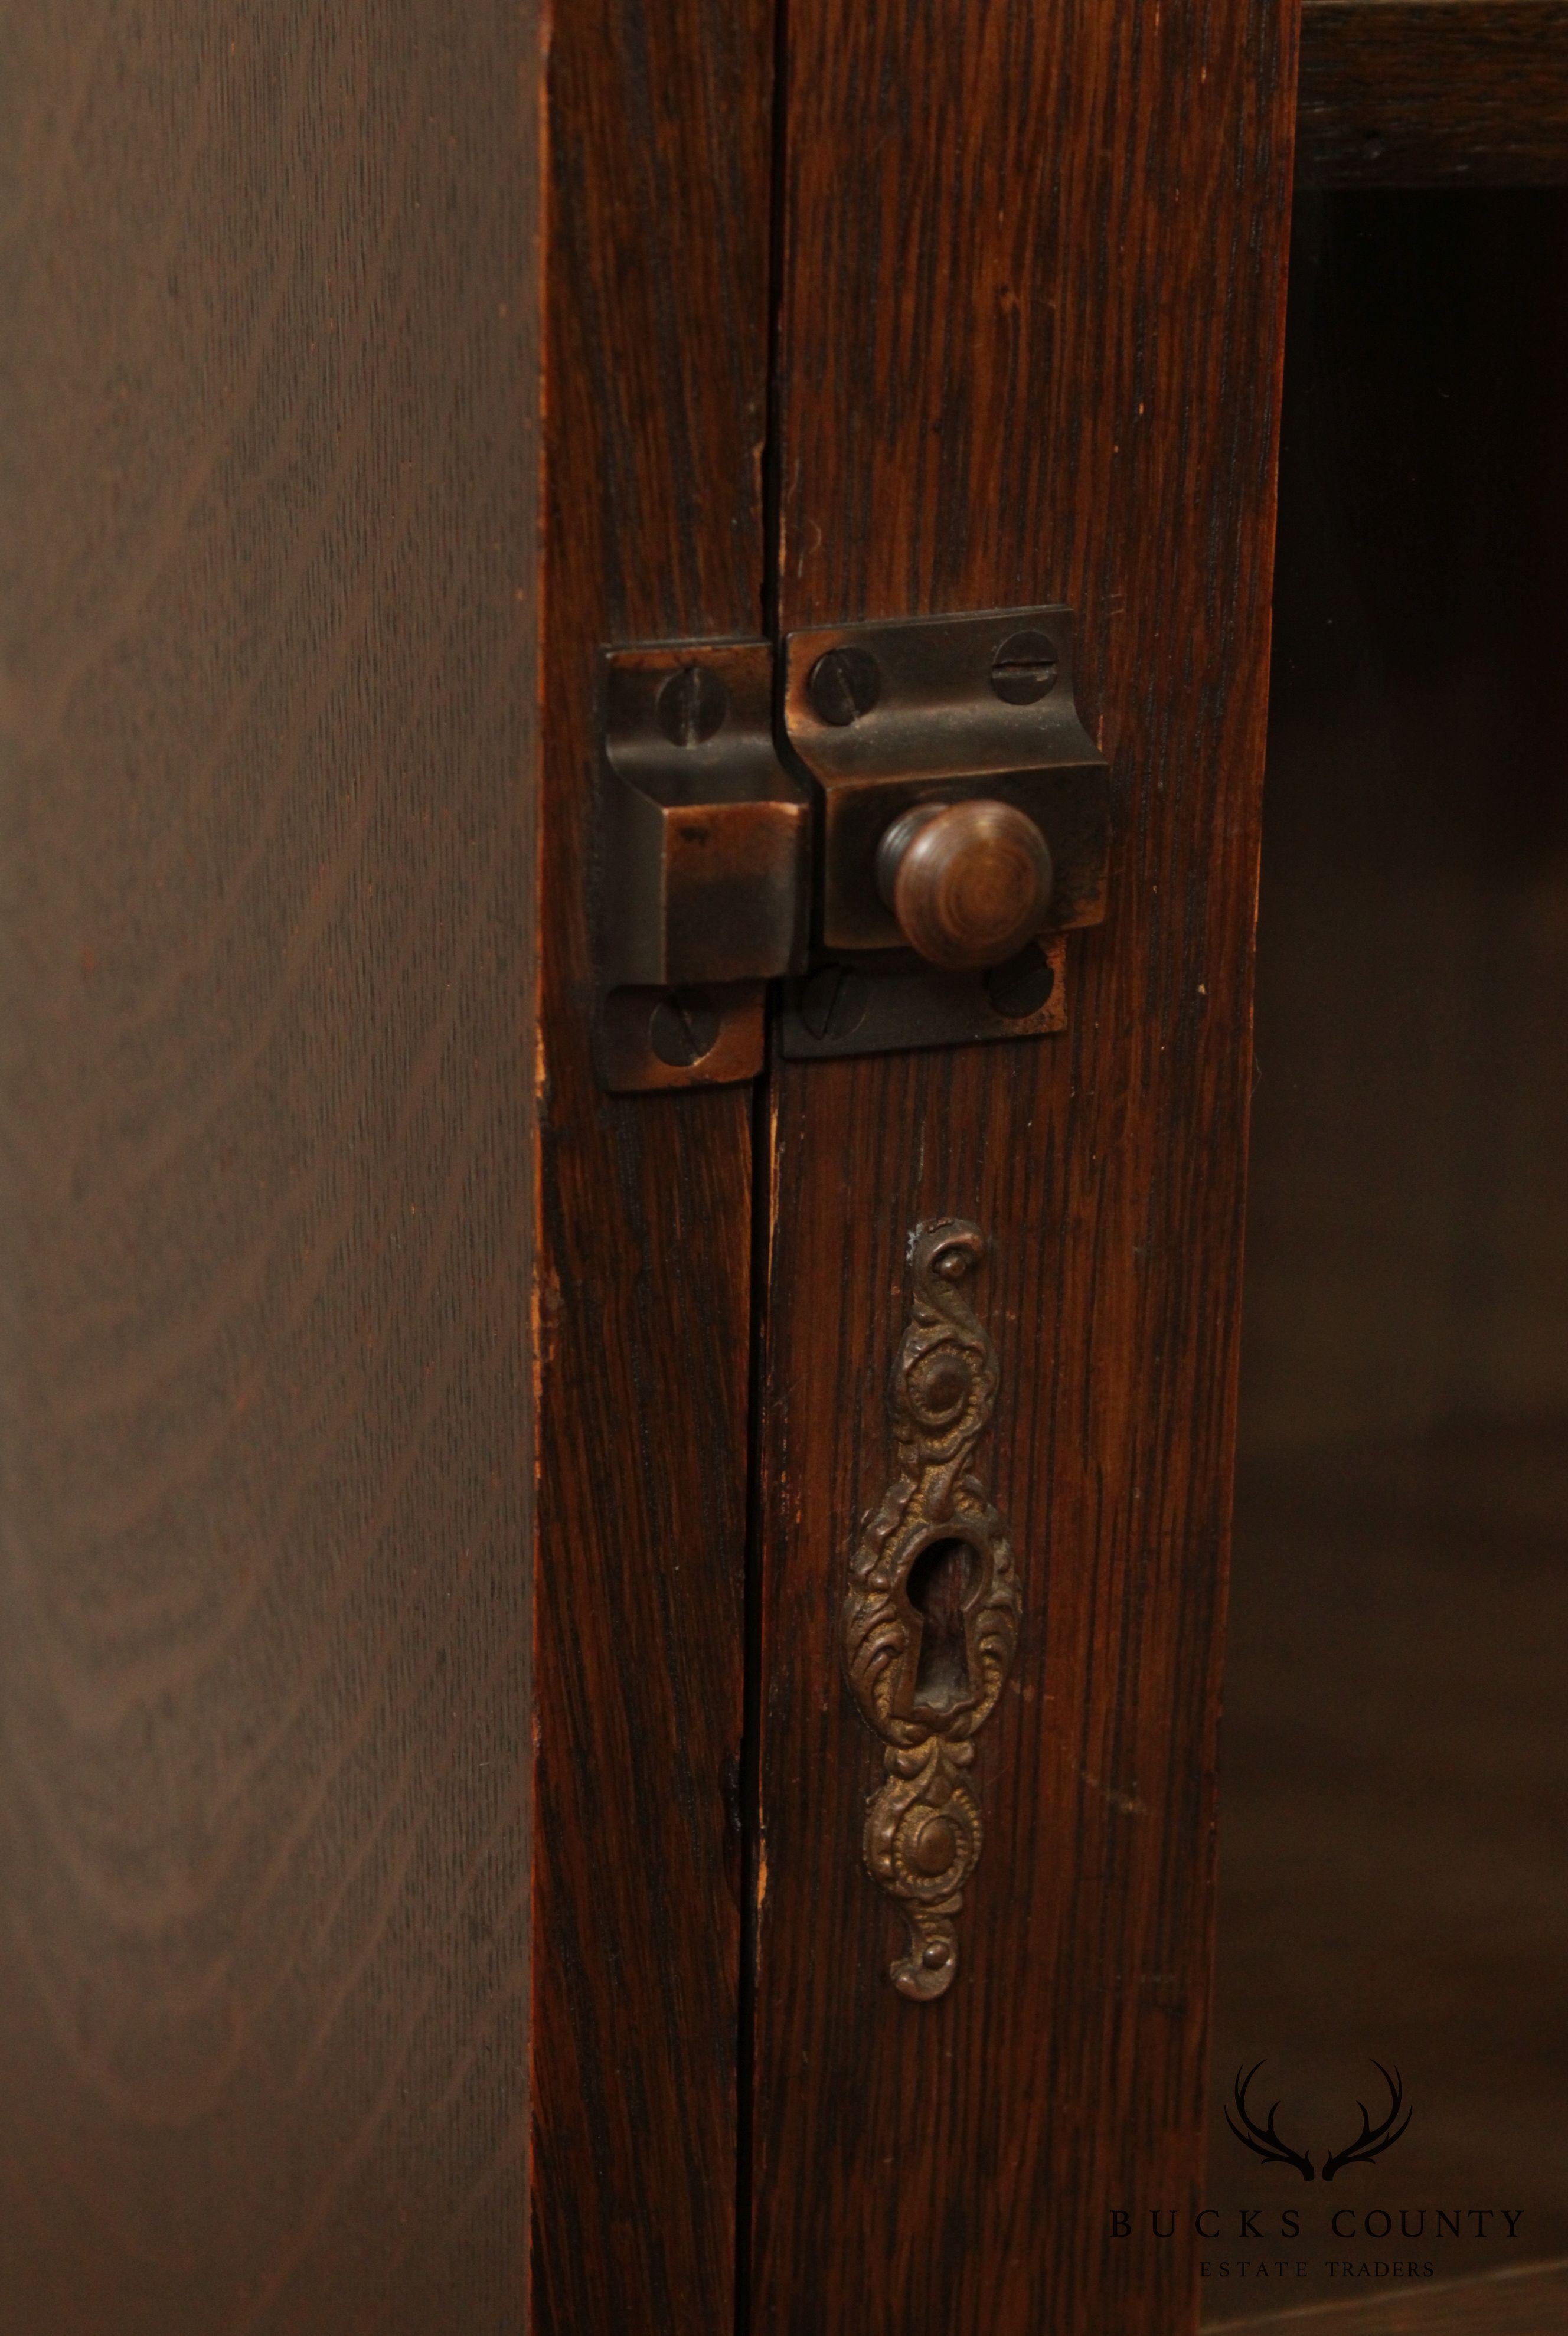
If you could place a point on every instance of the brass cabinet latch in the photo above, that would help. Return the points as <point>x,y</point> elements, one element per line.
<point>902,839</point>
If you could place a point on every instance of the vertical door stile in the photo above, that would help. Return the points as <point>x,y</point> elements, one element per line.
<point>656,270</point>
<point>1032,310</point>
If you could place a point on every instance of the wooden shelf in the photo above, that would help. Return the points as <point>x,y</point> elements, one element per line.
<point>1433,92</point>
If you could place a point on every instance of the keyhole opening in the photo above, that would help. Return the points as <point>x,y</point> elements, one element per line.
<point>938,1583</point>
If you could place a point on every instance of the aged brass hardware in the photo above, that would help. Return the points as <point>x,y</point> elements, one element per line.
<point>906,842</point>
<point>705,881</point>
<point>850,1006</point>
<point>962,708</point>
<point>931,1617</point>
<point>968,882</point>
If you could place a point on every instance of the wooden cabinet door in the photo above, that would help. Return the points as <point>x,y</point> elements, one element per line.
<point>1029,342</point>
<point>433,1796</point>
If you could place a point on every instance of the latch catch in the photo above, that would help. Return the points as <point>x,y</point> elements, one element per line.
<point>705,883</point>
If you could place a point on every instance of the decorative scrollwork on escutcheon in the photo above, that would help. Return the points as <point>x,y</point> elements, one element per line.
<point>931,1617</point>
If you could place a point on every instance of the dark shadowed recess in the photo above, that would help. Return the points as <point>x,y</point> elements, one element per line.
<point>1395,1777</point>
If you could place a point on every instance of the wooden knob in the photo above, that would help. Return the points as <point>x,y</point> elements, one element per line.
<point>968,882</point>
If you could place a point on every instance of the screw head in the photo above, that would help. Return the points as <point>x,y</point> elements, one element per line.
<point>691,706</point>
<point>685,1026</point>
<point>833,1001</point>
<point>1022,985</point>
<point>1024,668</point>
<point>842,685</point>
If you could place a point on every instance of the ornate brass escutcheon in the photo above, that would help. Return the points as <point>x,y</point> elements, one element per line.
<point>931,1617</point>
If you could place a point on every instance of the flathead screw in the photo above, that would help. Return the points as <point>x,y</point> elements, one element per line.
<point>691,706</point>
<point>842,685</point>
<point>1022,985</point>
<point>833,1002</point>
<point>685,1028</point>
<point>1025,668</point>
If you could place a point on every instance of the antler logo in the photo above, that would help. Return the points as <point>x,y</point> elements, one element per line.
<point>1371,2140</point>
<point>1265,2141</point>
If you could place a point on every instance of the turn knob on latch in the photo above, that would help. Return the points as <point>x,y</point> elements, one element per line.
<point>968,882</point>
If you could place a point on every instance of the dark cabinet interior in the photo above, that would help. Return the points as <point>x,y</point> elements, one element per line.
<point>1393,1764</point>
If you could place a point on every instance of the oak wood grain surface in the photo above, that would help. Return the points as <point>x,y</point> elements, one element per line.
<point>1031,331</point>
<point>1433,92</point>
<point>656,393</point>
<point>269,689</point>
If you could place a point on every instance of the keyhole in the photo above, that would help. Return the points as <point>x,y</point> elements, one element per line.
<point>939,1583</point>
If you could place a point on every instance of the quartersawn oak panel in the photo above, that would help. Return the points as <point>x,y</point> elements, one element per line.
<point>271,1056</point>
<point>656,393</point>
<point>1032,322</point>
<point>269,678</point>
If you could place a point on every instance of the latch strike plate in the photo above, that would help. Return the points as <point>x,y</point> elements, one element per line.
<point>706,886</point>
